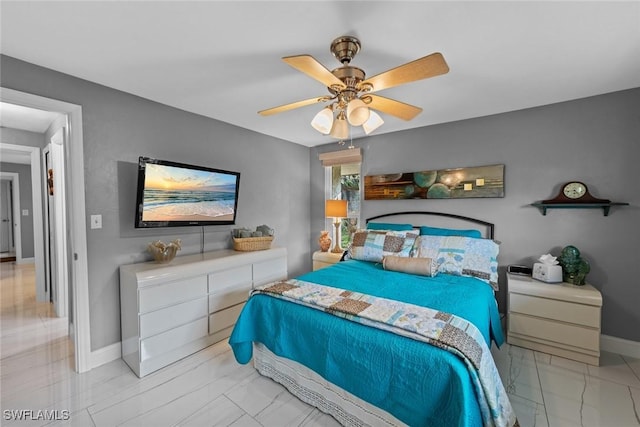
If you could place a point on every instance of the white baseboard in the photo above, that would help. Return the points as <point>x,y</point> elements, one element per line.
<point>26,261</point>
<point>105,355</point>
<point>607,343</point>
<point>620,346</point>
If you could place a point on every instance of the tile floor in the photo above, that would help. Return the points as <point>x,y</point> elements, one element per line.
<point>210,389</point>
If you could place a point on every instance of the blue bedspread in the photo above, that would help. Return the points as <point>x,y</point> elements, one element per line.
<point>417,383</point>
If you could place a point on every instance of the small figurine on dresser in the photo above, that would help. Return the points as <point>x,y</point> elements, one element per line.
<point>574,267</point>
<point>324,240</point>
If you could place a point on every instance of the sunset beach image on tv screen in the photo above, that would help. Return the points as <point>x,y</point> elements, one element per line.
<point>182,194</point>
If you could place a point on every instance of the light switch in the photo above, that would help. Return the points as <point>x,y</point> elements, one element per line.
<point>25,212</point>
<point>96,221</point>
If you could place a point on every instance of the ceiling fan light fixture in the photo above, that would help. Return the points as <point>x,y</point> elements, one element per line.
<point>374,122</point>
<point>323,121</point>
<point>352,93</point>
<point>340,128</point>
<point>357,112</point>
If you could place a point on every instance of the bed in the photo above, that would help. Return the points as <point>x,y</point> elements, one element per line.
<point>328,337</point>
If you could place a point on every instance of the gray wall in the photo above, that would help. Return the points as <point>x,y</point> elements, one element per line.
<point>22,137</point>
<point>595,140</point>
<point>117,129</point>
<point>26,202</point>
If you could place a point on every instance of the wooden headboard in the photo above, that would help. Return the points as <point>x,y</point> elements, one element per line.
<point>436,219</point>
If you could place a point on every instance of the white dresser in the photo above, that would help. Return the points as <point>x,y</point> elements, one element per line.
<point>560,319</point>
<point>169,311</point>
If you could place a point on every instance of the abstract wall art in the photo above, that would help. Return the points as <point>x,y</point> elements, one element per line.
<point>457,183</point>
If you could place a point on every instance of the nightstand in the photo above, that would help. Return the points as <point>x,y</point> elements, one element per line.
<point>325,259</point>
<point>554,318</point>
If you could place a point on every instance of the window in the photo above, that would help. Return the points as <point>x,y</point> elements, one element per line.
<point>342,182</point>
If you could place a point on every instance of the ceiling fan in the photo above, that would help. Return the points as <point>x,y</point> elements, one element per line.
<point>352,94</point>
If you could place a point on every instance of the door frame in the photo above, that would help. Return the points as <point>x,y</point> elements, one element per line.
<point>76,219</point>
<point>45,223</point>
<point>15,225</point>
<point>55,223</point>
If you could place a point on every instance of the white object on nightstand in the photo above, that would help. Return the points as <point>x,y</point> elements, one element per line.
<point>560,319</point>
<point>325,259</point>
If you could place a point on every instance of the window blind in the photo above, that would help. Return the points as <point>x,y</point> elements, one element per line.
<point>342,157</point>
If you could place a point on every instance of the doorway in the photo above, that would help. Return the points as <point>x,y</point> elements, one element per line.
<point>79,326</point>
<point>9,205</point>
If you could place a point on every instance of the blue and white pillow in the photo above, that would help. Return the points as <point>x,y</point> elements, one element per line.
<point>374,245</point>
<point>462,256</point>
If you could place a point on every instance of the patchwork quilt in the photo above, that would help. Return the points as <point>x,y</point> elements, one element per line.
<point>443,330</point>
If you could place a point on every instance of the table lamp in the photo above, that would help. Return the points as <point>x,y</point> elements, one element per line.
<point>336,209</point>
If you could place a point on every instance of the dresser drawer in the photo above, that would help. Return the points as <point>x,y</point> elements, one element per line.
<point>169,340</point>
<point>223,298</point>
<point>158,296</point>
<point>231,277</point>
<point>549,330</point>
<point>154,322</point>
<point>564,311</point>
<point>224,318</point>
<point>270,270</point>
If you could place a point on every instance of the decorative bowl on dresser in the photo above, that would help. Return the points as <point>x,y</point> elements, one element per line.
<point>560,318</point>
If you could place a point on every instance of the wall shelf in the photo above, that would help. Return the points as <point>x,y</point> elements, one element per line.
<point>604,206</point>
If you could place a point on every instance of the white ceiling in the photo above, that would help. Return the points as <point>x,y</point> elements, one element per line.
<point>26,118</point>
<point>222,59</point>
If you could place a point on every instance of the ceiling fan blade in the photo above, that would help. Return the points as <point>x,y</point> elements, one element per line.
<point>308,65</point>
<point>293,105</point>
<point>392,107</point>
<point>428,66</point>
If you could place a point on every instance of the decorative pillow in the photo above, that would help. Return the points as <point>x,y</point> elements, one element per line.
<point>374,245</point>
<point>462,256</point>
<point>388,226</point>
<point>419,266</point>
<point>435,231</point>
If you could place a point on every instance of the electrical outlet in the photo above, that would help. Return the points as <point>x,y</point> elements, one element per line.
<point>96,221</point>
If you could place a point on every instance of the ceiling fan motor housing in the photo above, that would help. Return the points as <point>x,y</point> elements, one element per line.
<point>345,48</point>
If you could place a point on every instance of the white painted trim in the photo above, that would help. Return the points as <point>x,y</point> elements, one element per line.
<point>46,214</point>
<point>620,346</point>
<point>56,150</point>
<point>77,215</point>
<point>106,354</point>
<point>36,190</point>
<point>607,343</point>
<point>30,260</point>
<point>16,226</point>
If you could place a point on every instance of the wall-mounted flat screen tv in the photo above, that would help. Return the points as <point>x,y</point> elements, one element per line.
<point>174,194</point>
